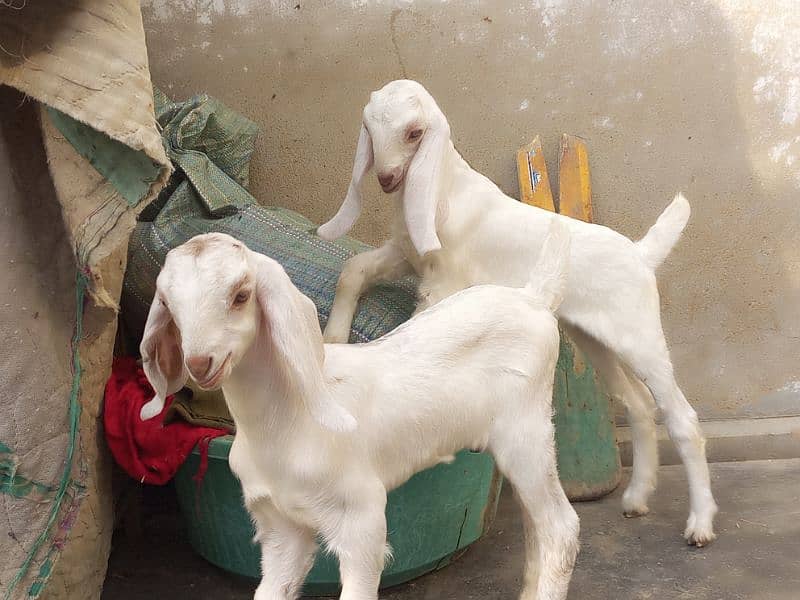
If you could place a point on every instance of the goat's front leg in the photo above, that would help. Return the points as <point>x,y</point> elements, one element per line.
<point>359,542</point>
<point>287,553</point>
<point>359,273</point>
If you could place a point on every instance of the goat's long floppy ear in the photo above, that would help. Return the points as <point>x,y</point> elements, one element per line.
<point>422,184</point>
<point>162,357</point>
<point>348,213</point>
<point>289,320</point>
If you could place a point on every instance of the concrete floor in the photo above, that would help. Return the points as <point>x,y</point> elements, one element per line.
<point>757,555</point>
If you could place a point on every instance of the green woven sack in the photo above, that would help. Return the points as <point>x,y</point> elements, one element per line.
<point>211,146</point>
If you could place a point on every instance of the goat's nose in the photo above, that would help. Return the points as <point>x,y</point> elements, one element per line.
<point>198,366</point>
<point>386,179</point>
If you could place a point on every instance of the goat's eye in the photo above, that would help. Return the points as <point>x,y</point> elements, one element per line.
<point>414,134</point>
<point>241,298</point>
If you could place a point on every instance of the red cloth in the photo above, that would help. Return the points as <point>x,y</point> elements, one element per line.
<point>149,451</point>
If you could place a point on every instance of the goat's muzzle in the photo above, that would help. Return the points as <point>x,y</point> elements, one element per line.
<point>391,180</point>
<point>198,366</point>
<point>212,379</point>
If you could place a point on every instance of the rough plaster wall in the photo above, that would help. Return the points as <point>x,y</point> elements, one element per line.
<point>702,96</point>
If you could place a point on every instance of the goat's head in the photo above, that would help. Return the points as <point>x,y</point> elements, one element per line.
<point>214,300</point>
<point>404,135</point>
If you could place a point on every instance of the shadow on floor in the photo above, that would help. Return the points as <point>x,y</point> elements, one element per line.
<point>757,555</point>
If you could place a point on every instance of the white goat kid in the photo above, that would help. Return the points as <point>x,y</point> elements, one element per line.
<point>323,432</point>
<point>455,228</point>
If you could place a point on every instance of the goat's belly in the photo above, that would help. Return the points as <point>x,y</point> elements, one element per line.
<point>398,477</point>
<point>396,470</point>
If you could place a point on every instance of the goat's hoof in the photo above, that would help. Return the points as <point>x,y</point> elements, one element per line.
<point>634,505</point>
<point>698,533</point>
<point>699,539</point>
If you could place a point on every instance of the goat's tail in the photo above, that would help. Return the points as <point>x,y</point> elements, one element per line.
<point>549,276</point>
<point>665,232</point>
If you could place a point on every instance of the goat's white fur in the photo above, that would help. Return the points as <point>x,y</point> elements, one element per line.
<point>611,304</point>
<point>475,371</point>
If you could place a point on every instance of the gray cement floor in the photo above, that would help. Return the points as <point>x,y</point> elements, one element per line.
<point>757,555</point>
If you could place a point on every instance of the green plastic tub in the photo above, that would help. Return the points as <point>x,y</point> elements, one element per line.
<point>431,518</point>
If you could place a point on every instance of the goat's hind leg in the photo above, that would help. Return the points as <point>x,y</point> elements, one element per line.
<point>641,417</point>
<point>652,365</point>
<point>523,445</point>
<point>646,356</point>
<point>624,387</point>
<point>359,273</point>
<point>287,553</point>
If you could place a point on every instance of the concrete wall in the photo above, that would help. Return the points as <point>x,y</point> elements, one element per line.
<point>702,96</point>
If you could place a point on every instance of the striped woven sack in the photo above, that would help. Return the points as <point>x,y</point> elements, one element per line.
<point>211,146</point>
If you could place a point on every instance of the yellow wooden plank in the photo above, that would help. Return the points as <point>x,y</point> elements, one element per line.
<point>534,183</point>
<point>574,182</point>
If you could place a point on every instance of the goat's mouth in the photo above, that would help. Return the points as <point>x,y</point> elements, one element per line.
<point>212,382</point>
<point>393,187</point>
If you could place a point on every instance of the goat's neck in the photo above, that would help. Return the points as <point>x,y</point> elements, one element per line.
<point>462,175</point>
<point>258,399</point>
<point>455,175</point>
<point>453,170</point>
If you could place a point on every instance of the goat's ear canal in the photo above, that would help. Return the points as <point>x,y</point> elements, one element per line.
<point>348,213</point>
<point>292,328</point>
<point>162,357</point>
<point>421,194</point>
